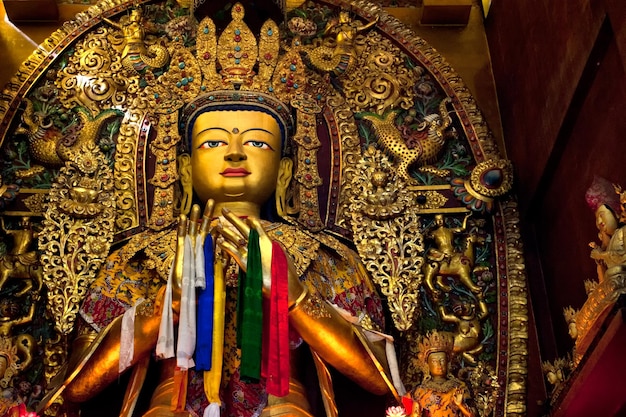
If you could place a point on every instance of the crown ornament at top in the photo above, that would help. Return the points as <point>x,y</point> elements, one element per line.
<point>238,60</point>
<point>435,341</point>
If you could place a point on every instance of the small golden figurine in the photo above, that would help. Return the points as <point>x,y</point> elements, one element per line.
<point>440,394</point>
<point>135,55</point>
<point>340,59</point>
<point>20,262</point>
<point>444,260</point>
<point>16,352</point>
<point>467,316</point>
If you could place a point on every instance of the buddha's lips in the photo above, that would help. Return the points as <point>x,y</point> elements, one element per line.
<point>235,172</point>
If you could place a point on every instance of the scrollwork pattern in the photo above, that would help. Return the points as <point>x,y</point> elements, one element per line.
<point>93,77</point>
<point>74,247</point>
<point>351,152</point>
<point>380,81</point>
<point>125,172</point>
<point>391,246</point>
<point>392,250</point>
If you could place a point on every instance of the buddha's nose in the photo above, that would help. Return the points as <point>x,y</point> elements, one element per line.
<point>235,152</point>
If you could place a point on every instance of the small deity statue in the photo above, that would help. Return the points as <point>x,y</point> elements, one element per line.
<point>25,345</point>
<point>440,394</point>
<point>556,374</point>
<point>343,56</point>
<point>444,260</point>
<point>135,56</point>
<point>20,262</point>
<point>467,316</point>
<point>606,222</point>
<point>614,254</point>
<point>611,251</point>
<point>610,257</point>
<point>570,318</point>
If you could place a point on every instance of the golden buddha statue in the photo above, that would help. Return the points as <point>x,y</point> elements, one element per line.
<point>235,166</point>
<point>440,394</point>
<point>272,146</point>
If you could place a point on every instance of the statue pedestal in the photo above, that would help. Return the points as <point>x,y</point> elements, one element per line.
<point>597,387</point>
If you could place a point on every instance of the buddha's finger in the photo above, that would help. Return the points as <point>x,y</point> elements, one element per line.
<point>239,224</point>
<point>180,251</point>
<point>206,218</point>
<point>193,222</point>
<point>255,223</point>
<point>231,235</point>
<point>239,255</point>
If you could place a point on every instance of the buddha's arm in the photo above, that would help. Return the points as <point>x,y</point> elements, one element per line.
<point>615,254</point>
<point>335,340</point>
<point>101,369</point>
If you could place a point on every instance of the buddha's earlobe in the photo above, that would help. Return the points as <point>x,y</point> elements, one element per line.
<point>184,170</point>
<point>285,174</point>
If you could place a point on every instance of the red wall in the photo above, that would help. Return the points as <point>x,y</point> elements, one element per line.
<point>560,74</point>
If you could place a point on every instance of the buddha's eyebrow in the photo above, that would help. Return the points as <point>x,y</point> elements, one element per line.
<point>245,131</point>
<point>257,128</point>
<point>212,128</point>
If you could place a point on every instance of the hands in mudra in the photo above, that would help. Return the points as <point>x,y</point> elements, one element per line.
<point>230,237</point>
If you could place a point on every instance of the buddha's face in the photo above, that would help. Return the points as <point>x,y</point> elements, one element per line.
<point>605,221</point>
<point>438,364</point>
<point>439,220</point>
<point>572,330</point>
<point>235,156</point>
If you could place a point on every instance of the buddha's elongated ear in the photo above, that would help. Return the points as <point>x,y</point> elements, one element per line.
<point>184,170</point>
<point>285,173</point>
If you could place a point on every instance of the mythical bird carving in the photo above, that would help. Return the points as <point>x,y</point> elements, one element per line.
<point>48,145</point>
<point>426,148</point>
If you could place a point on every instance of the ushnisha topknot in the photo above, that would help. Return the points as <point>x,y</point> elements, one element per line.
<point>231,100</point>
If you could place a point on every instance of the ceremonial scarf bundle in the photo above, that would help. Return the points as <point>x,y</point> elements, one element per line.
<point>263,325</point>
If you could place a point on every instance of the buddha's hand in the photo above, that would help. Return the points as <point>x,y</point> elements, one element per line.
<point>597,253</point>
<point>457,396</point>
<point>235,244</point>
<point>188,227</point>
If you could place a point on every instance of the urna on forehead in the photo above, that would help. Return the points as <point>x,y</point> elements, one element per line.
<point>229,100</point>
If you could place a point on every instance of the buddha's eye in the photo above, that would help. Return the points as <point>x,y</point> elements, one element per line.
<point>211,144</point>
<point>258,144</point>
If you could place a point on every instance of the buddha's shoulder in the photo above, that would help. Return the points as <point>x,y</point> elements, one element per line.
<point>157,250</point>
<point>305,247</point>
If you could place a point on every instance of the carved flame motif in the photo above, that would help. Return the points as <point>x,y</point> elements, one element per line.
<point>78,230</point>
<point>388,239</point>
